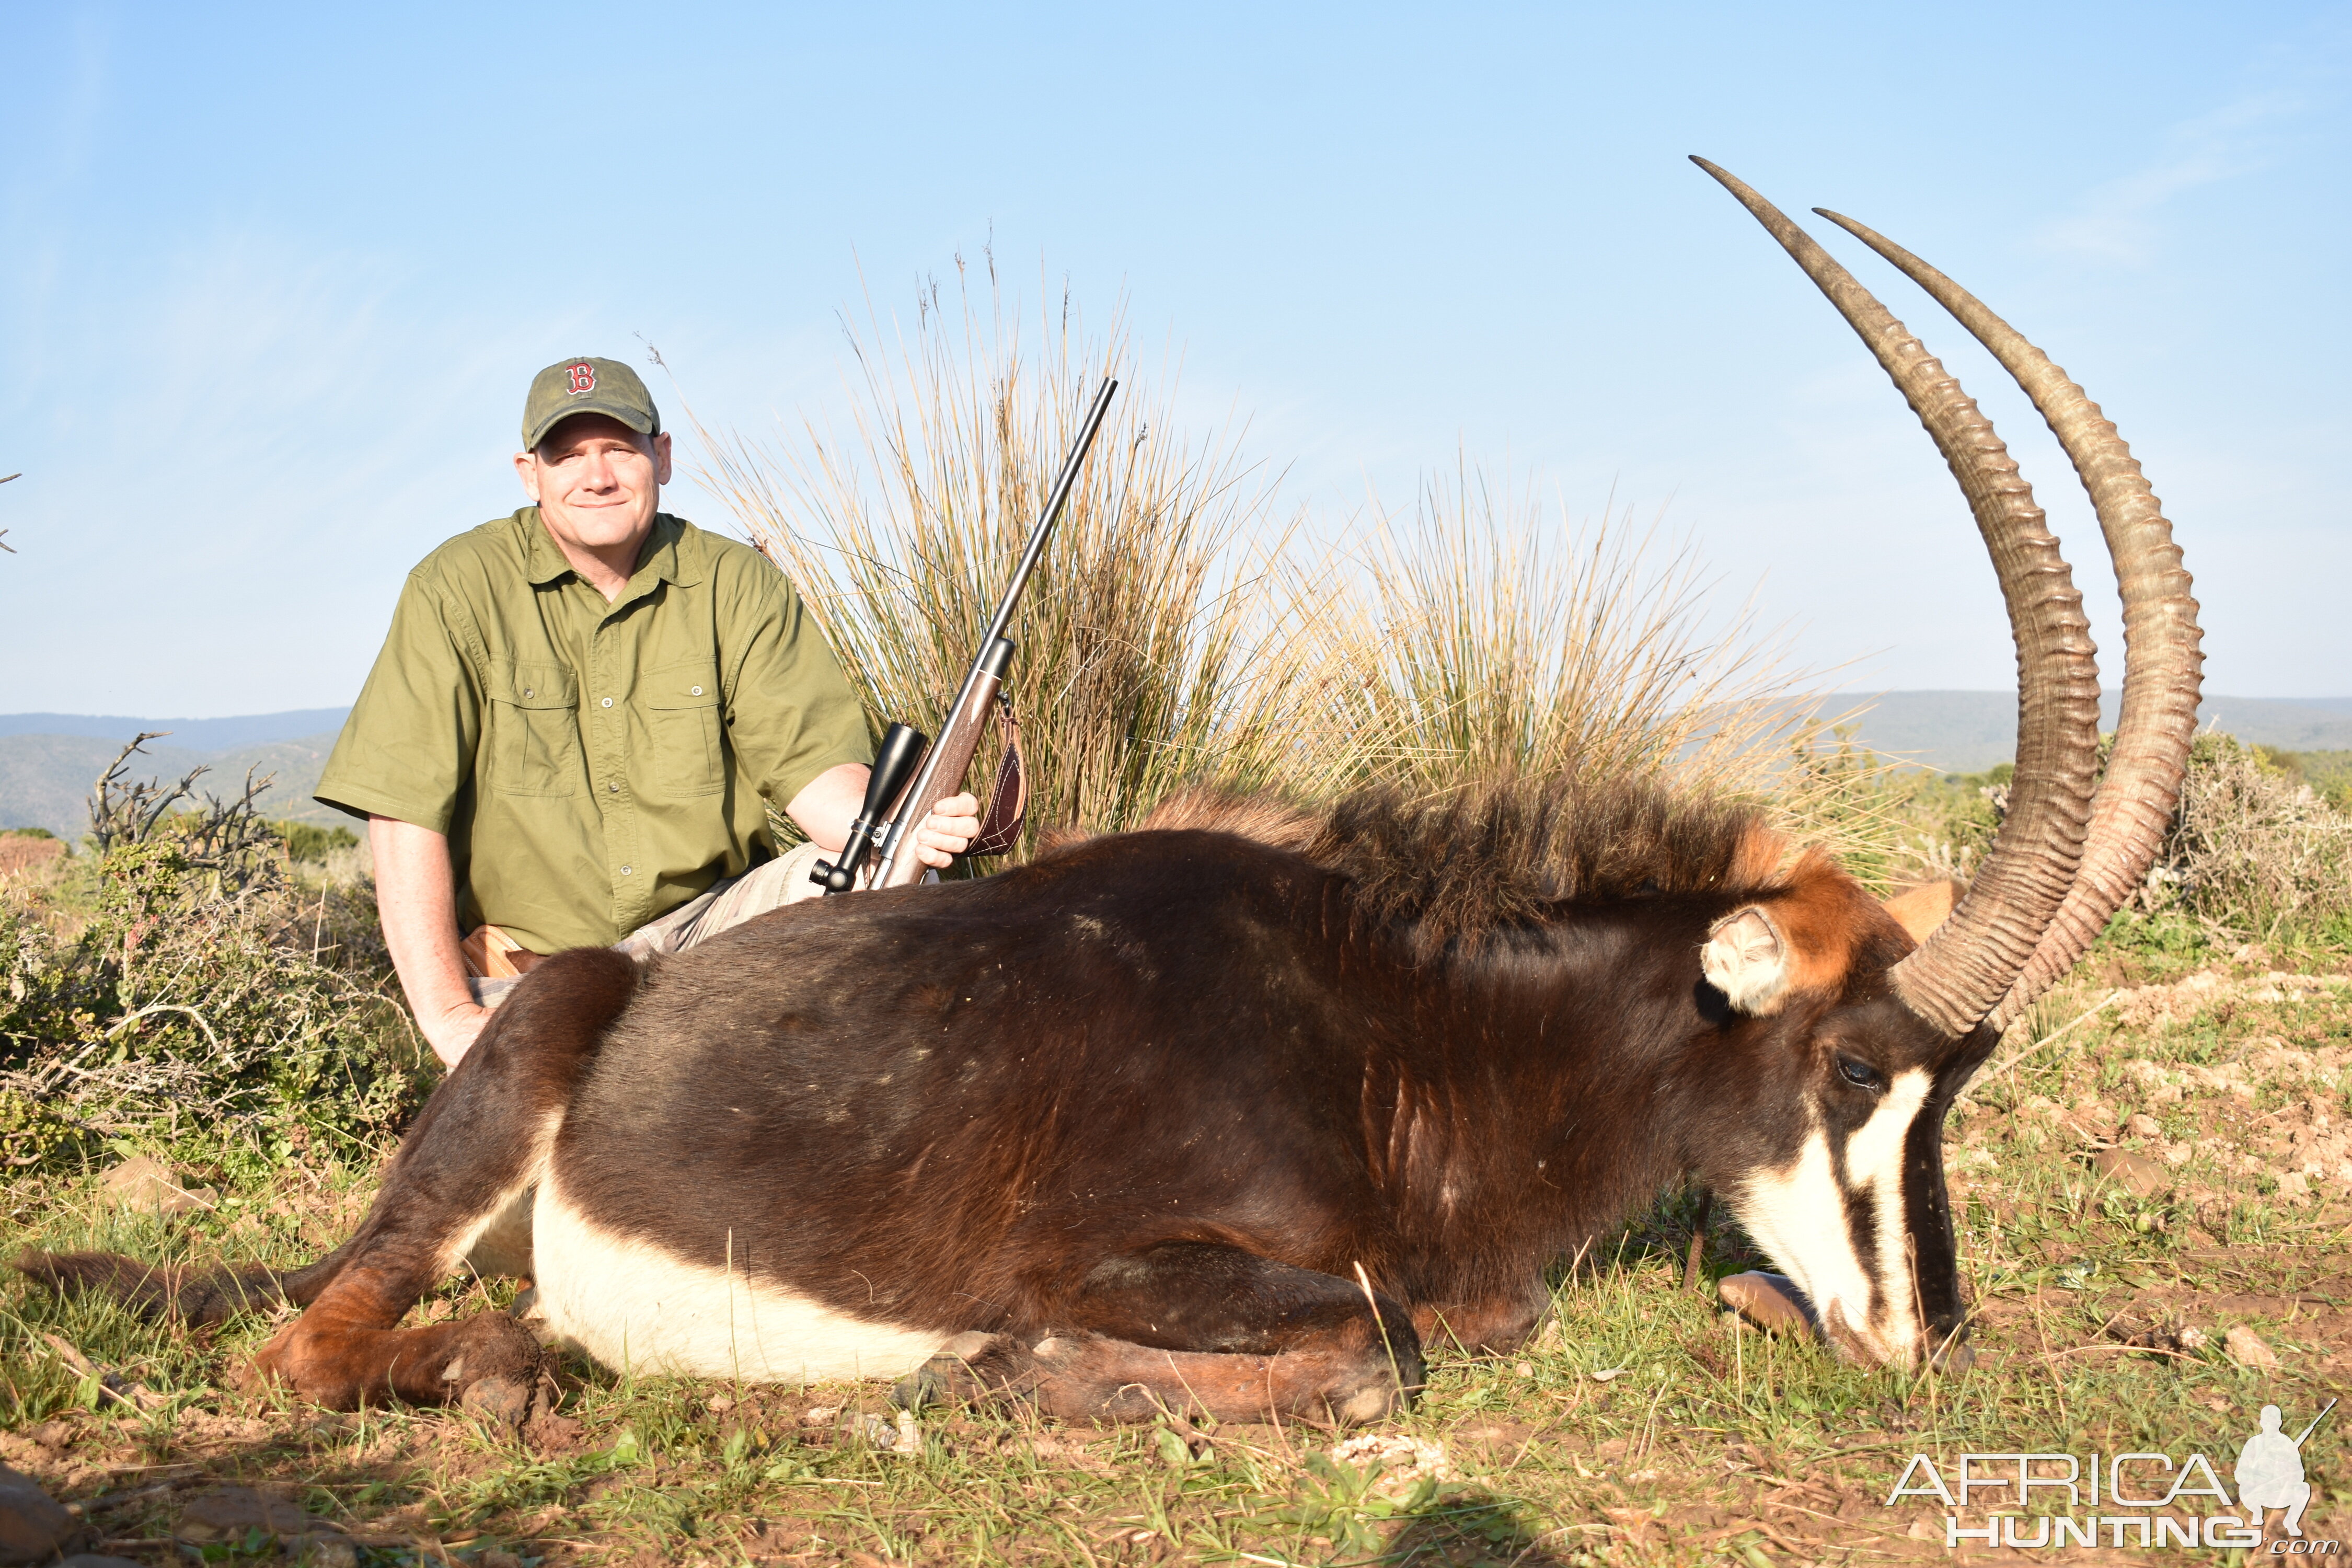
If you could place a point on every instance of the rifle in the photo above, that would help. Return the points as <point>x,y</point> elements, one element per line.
<point>943,766</point>
<point>2315,1423</point>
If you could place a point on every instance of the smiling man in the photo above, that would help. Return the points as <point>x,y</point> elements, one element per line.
<point>581,717</point>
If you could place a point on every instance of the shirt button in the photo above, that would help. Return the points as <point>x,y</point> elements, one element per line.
<point>608,702</point>
<point>696,692</point>
<point>614,788</point>
<point>624,871</point>
<point>526,691</point>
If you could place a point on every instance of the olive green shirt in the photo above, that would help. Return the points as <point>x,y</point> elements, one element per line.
<point>594,765</point>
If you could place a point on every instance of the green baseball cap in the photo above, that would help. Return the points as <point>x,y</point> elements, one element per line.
<point>587,385</point>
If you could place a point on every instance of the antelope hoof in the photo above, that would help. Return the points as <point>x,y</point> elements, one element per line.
<point>502,1401</point>
<point>347,1370</point>
<point>971,1369</point>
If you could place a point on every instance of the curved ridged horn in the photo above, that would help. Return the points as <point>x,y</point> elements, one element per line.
<point>2162,659</point>
<point>1971,962</point>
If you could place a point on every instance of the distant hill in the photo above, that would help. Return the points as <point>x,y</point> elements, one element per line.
<point>45,779</point>
<point>189,734</point>
<point>1969,731</point>
<point>49,761</point>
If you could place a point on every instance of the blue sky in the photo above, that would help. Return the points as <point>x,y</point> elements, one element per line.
<point>275,279</point>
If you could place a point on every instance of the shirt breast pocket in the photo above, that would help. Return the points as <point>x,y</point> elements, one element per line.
<point>535,730</point>
<point>682,699</point>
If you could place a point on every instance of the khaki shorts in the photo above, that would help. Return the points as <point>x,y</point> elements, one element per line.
<point>769,885</point>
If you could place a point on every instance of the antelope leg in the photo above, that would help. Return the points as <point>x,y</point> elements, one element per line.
<point>474,1154</point>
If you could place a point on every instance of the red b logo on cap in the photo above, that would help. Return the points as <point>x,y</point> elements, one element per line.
<point>583,378</point>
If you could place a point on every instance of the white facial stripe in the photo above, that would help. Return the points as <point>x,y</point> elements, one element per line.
<point>1798,1215</point>
<point>1874,1168</point>
<point>635,1307</point>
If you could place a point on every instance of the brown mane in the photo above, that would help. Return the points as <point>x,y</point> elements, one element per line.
<point>1461,866</point>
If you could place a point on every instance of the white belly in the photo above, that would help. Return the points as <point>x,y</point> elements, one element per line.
<point>636,1309</point>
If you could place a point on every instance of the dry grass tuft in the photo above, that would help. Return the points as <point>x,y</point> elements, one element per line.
<point>1144,656</point>
<point>1488,640</point>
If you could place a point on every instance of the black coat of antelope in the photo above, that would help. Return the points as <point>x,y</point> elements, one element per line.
<point>1237,1112</point>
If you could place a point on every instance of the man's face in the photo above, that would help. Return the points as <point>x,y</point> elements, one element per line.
<point>597,482</point>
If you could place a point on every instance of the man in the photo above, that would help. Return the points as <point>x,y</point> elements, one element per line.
<point>581,716</point>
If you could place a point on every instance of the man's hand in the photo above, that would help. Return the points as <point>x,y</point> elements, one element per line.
<point>953,824</point>
<point>826,805</point>
<point>451,1033</point>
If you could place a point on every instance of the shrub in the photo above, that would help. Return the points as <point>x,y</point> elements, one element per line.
<point>2330,773</point>
<point>307,841</point>
<point>2252,849</point>
<point>185,997</point>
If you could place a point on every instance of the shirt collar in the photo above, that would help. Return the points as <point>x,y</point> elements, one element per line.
<point>669,555</point>
<point>542,562</point>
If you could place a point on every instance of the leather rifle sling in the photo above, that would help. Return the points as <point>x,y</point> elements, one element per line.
<point>1008,798</point>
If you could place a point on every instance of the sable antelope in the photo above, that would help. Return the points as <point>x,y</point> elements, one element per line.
<point>1237,1112</point>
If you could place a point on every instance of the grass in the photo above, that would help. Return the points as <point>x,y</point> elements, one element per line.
<point>1487,637</point>
<point>1636,1428</point>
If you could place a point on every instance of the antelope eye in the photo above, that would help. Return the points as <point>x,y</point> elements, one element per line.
<point>1862,1075</point>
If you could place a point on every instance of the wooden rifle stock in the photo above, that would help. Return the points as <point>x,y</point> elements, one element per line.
<point>949,760</point>
<point>959,738</point>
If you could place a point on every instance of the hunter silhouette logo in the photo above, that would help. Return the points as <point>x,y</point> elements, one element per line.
<point>2270,1472</point>
<point>583,378</point>
<point>2117,1501</point>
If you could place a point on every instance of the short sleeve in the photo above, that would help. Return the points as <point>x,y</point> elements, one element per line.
<point>791,712</point>
<point>407,748</point>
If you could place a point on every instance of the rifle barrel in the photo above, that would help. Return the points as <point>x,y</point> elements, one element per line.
<point>1054,504</point>
<point>921,790</point>
<point>2315,1421</point>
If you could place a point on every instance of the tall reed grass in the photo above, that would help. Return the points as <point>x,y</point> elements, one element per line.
<point>1145,656</point>
<point>1489,637</point>
<point>1182,629</point>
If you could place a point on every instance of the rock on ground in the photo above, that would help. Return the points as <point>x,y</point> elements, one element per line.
<point>230,1513</point>
<point>34,1526</point>
<point>149,1186</point>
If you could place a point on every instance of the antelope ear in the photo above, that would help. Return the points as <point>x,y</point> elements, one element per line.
<point>1921,909</point>
<point>1747,959</point>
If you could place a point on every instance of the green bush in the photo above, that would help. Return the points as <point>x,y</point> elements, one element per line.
<point>2252,848</point>
<point>184,990</point>
<point>307,841</point>
<point>2329,774</point>
<point>2253,852</point>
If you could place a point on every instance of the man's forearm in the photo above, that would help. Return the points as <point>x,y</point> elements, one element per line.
<point>828,803</point>
<point>417,900</point>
